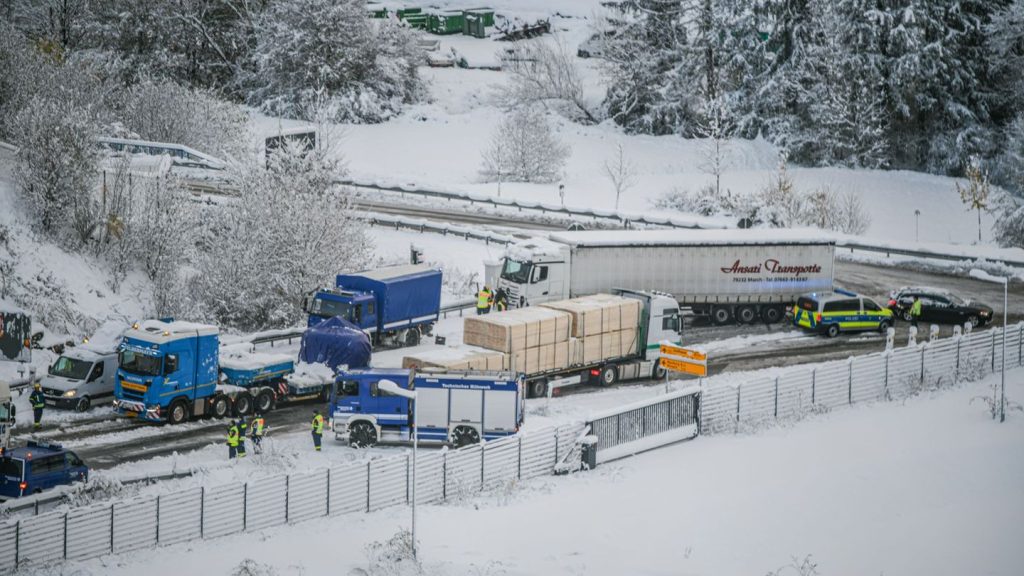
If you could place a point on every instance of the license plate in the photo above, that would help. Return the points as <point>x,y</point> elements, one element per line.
<point>130,413</point>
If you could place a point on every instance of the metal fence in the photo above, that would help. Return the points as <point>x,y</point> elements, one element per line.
<point>647,424</point>
<point>209,512</point>
<point>899,373</point>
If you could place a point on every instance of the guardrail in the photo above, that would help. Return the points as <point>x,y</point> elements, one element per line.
<point>889,250</point>
<point>421,225</point>
<point>212,511</point>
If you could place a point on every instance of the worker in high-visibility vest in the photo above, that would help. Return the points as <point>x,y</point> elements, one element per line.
<point>318,429</point>
<point>242,429</point>
<point>483,300</point>
<point>257,433</point>
<point>915,311</point>
<point>38,401</point>
<point>232,440</point>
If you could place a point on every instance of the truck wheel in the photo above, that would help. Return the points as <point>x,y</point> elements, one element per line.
<point>83,404</point>
<point>220,407</point>
<point>412,337</point>
<point>243,404</point>
<point>609,374</point>
<point>539,388</point>
<point>771,314</point>
<point>264,402</point>
<point>362,435</point>
<point>178,412</point>
<point>659,371</point>
<point>721,315</point>
<point>465,436</point>
<point>746,314</point>
<point>833,330</point>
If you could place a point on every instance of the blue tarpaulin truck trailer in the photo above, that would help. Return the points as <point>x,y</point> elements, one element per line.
<point>458,408</point>
<point>396,305</point>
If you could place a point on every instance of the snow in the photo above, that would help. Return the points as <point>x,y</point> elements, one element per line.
<point>306,375</point>
<point>253,360</point>
<point>982,275</point>
<point>693,237</point>
<point>928,486</point>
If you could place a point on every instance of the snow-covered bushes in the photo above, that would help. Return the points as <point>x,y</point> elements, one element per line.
<point>291,231</point>
<point>544,73</point>
<point>57,168</point>
<point>313,56</point>
<point>163,111</point>
<point>393,557</point>
<point>524,149</point>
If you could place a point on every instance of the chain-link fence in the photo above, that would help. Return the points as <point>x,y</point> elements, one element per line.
<point>211,511</point>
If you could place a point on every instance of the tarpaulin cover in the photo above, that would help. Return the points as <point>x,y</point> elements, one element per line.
<point>335,342</point>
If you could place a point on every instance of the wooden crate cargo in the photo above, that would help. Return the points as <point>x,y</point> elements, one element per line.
<point>599,313</point>
<point>464,358</point>
<point>599,347</point>
<point>541,359</point>
<point>516,330</point>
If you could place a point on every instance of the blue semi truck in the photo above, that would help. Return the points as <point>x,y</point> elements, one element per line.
<point>457,408</point>
<point>395,305</point>
<point>174,371</point>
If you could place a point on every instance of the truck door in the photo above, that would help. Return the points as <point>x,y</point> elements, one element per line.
<point>391,410</point>
<point>541,282</point>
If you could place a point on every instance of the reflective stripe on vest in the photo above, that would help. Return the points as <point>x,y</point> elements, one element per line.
<point>258,426</point>
<point>318,424</point>
<point>482,299</point>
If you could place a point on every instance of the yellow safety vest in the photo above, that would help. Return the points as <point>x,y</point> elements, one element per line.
<point>233,436</point>
<point>915,309</point>
<point>483,299</point>
<point>257,427</point>
<point>318,424</point>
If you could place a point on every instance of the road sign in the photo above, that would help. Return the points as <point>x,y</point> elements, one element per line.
<point>679,359</point>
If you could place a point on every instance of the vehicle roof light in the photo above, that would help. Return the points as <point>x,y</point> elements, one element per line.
<point>135,325</point>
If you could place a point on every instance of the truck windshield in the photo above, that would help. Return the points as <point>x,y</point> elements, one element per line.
<point>517,272</point>
<point>136,363</point>
<point>5,411</point>
<point>11,467</point>
<point>71,368</point>
<point>330,308</point>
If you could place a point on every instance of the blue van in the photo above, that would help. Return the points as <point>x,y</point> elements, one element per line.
<point>38,466</point>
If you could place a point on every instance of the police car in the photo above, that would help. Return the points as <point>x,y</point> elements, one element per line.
<point>830,313</point>
<point>38,466</point>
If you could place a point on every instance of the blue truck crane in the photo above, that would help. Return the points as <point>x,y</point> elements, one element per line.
<point>396,305</point>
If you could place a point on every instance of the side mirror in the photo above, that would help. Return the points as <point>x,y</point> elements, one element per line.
<point>171,364</point>
<point>14,411</point>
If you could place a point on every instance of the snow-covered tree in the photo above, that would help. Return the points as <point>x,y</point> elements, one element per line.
<point>290,232</point>
<point>9,259</point>
<point>717,129</point>
<point>164,227</point>
<point>316,53</point>
<point>56,168</point>
<point>621,172</point>
<point>56,26</point>
<point>778,204</point>
<point>524,149</point>
<point>1009,228</point>
<point>545,73</point>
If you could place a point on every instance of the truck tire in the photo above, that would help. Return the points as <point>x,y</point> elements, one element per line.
<point>178,412</point>
<point>243,404</point>
<point>746,314</point>
<point>609,374</point>
<point>362,435</point>
<point>220,407</point>
<point>771,314</point>
<point>539,388</point>
<point>83,404</point>
<point>264,402</point>
<point>465,436</point>
<point>721,315</point>
<point>412,337</point>
<point>659,372</point>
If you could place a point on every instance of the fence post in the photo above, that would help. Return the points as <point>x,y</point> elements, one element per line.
<point>328,491</point>
<point>112,528</point>
<point>287,487</point>
<point>556,439</point>
<point>245,507</point>
<point>849,384</point>
<point>776,397</point>
<point>922,364</point>
<point>993,350</point>
<point>202,511</point>
<point>885,389</point>
<point>483,459</point>
<point>1020,345</point>
<point>407,468</point>
<point>814,384</point>
<point>519,459</point>
<point>17,543</point>
<point>739,390</point>
<point>65,535</point>
<point>369,463</point>
<point>444,475</point>
<point>157,518</point>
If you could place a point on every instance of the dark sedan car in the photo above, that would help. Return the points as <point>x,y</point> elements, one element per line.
<point>938,306</point>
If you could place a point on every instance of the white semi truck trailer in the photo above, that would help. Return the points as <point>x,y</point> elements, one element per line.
<point>743,275</point>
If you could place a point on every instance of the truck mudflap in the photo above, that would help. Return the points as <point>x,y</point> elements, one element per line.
<point>138,410</point>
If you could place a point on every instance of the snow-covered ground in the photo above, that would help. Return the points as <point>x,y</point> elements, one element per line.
<point>929,486</point>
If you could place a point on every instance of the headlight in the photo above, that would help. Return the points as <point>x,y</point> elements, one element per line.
<point>70,394</point>
<point>986,313</point>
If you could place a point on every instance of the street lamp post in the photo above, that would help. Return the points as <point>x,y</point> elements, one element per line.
<point>1005,281</point>
<point>393,388</point>
<point>917,228</point>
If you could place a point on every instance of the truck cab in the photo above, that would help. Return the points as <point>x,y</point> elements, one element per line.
<point>80,377</point>
<point>535,272</point>
<point>457,408</point>
<point>39,466</point>
<point>357,307</point>
<point>166,370</point>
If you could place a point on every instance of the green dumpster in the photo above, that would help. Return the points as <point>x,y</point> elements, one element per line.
<point>376,11</point>
<point>416,21</point>
<point>474,26</point>
<point>445,22</point>
<point>403,13</point>
<point>487,14</point>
